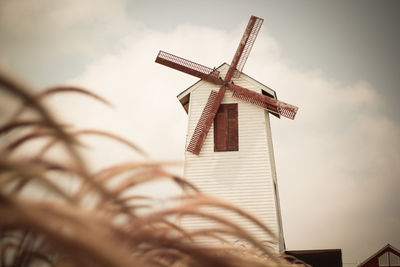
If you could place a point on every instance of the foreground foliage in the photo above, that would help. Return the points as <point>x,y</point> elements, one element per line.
<point>98,219</point>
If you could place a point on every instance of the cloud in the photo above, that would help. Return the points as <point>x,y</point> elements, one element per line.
<point>337,162</point>
<point>44,17</point>
<point>57,38</point>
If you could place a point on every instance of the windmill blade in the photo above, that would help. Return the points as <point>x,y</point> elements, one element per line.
<point>245,45</point>
<point>271,104</point>
<point>205,121</point>
<point>249,45</point>
<point>189,67</point>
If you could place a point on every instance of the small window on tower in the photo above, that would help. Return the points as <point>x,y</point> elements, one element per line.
<point>226,128</point>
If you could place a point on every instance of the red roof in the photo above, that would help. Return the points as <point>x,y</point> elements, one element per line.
<point>373,260</point>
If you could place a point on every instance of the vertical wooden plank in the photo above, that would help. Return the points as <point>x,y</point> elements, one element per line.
<point>220,129</point>
<point>233,131</point>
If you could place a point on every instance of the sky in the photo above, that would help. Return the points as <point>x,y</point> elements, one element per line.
<point>338,61</point>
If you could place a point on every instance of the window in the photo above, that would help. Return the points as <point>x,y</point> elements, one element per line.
<point>394,259</point>
<point>226,128</point>
<point>384,260</point>
<point>389,259</point>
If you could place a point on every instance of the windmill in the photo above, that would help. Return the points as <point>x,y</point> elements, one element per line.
<point>208,74</point>
<point>240,165</point>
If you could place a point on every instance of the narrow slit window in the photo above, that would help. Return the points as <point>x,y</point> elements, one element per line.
<point>226,128</point>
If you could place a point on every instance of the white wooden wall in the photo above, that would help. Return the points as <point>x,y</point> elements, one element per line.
<point>245,177</point>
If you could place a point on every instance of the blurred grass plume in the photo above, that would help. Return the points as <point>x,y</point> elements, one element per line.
<point>99,221</point>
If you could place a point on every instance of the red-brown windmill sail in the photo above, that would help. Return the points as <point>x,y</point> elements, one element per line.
<point>215,98</point>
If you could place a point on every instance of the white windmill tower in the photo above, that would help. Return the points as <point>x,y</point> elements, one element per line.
<point>234,160</point>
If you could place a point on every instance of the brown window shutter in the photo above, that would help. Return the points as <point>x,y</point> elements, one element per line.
<point>226,128</point>
<point>220,129</point>
<point>232,114</point>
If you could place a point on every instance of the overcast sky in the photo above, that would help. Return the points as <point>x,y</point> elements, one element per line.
<point>338,162</point>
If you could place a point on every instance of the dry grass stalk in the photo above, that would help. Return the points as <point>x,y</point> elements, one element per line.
<point>113,230</point>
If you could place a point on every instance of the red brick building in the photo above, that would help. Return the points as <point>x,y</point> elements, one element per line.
<point>387,256</point>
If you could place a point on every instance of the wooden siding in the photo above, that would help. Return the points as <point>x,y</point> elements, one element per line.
<point>246,177</point>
